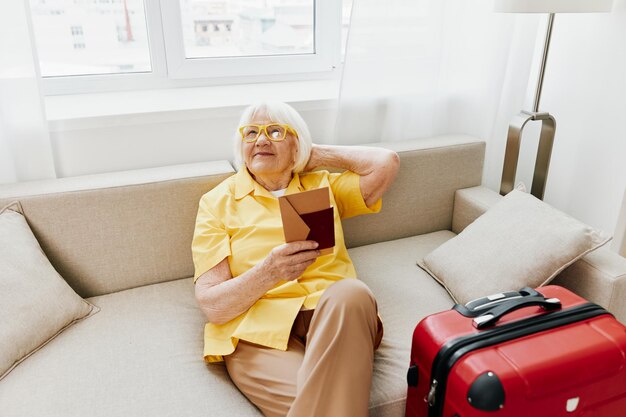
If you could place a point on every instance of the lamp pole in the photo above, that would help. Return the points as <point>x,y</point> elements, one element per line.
<point>546,137</point>
<point>544,59</point>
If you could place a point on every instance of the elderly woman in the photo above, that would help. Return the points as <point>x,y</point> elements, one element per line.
<point>296,330</point>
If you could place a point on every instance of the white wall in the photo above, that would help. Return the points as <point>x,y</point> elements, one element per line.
<point>585,89</point>
<point>116,143</point>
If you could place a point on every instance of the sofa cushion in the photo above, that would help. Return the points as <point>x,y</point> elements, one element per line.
<point>521,241</point>
<point>142,354</point>
<point>36,304</point>
<point>421,198</point>
<point>405,294</point>
<point>115,231</point>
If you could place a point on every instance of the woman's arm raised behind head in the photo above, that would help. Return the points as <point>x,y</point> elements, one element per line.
<point>377,167</point>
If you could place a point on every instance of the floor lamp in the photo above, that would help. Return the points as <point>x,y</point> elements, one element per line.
<point>548,123</point>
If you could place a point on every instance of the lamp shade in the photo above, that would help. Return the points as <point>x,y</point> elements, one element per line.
<point>552,6</point>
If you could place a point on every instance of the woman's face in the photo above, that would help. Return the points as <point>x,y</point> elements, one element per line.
<point>267,158</point>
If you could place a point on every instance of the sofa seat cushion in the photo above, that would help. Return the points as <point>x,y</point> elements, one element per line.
<point>142,354</point>
<point>405,294</point>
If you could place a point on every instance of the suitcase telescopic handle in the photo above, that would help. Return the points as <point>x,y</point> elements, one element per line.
<point>491,317</point>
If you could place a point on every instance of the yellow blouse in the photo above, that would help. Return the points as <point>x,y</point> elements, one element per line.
<point>240,219</point>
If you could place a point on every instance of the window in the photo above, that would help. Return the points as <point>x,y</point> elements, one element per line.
<point>96,45</point>
<point>250,28</point>
<point>77,30</point>
<point>79,37</point>
<point>234,38</point>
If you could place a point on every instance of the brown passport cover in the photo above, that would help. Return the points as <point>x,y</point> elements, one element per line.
<point>309,216</point>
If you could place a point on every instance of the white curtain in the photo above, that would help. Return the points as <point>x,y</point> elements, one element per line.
<point>25,149</point>
<point>420,68</point>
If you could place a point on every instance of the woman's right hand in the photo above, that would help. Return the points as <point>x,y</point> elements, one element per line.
<point>222,297</point>
<point>288,262</point>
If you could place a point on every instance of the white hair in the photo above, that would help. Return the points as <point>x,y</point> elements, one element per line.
<point>282,113</point>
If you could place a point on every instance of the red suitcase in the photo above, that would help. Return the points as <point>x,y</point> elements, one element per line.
<point>527,353</point>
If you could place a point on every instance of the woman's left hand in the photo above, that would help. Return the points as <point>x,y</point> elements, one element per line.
<point>313,163</point>
<point>377,167</point>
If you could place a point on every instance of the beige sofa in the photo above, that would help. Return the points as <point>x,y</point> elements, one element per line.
<point>122,241</point>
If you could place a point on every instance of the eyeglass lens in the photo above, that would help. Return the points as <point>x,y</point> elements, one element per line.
<point>273,132</point>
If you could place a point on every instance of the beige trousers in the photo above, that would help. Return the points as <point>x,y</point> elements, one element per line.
<point>327,368</point>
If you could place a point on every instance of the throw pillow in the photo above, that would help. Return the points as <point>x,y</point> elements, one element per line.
<point>36,304</point>
<point>519,242</point>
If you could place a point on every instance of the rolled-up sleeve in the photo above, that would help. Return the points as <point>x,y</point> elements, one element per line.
<point>347,191</point>
<point>211,242</point>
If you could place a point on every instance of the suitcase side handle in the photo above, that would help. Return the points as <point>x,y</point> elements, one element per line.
<point>491,317</point>
<point>479,306</point>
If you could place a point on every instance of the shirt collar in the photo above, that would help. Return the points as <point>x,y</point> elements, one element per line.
<point>245,184</point>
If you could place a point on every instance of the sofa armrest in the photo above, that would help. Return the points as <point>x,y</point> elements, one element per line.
<point>599,276</point>
<point>471,203</point>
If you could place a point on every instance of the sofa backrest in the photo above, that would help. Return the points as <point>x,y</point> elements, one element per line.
<point>109,232</point>
<point>421,199</point>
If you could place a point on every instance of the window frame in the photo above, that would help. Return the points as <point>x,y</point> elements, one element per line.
<point>170,69</point>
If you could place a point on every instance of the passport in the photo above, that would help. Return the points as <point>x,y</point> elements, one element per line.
<point>309,216</point>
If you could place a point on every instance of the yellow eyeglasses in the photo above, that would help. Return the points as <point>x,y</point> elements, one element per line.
<point>273,131</point>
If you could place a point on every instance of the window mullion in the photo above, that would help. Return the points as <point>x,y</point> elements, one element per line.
<point>172,35</point>
<point>156,39</point>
